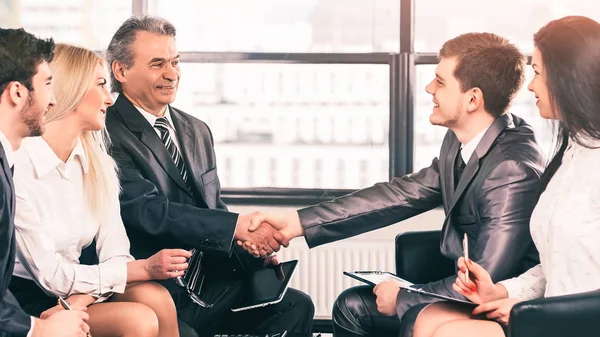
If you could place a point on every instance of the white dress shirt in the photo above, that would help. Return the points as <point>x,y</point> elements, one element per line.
<point>565,227</point>
<point>8,149</point>
<point>54,223</point>
<point>466,150</point>
<point>152,119</point>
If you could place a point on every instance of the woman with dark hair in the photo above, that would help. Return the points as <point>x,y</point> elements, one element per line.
<point>565,225</point>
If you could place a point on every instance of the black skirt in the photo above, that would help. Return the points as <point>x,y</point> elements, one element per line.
<point>30,296</point>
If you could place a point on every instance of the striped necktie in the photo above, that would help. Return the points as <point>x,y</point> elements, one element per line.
<point>163,126</point>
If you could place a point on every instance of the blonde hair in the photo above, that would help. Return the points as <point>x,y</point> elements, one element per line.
<point>73,71</point>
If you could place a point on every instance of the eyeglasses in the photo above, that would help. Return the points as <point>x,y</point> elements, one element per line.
<point>193,280</point>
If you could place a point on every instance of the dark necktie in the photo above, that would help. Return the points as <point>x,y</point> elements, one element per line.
<point>12,170</point>
<point>162,125</point>
<point>459,167</point>
<point>193,278</point>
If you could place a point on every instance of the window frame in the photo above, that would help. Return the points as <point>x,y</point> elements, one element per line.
<point>402,93</point>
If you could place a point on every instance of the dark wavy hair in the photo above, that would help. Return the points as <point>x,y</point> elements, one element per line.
<point>20,55</point>
<point>570,50</point>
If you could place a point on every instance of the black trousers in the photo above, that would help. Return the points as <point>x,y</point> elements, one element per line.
<point>355,314</point>
<point>294,313</point>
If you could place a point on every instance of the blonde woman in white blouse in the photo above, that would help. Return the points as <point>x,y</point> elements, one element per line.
<point>565,225</point>
<point>67,196</point>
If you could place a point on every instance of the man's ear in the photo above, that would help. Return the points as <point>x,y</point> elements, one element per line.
<point>474,99</point>
<point>119,70</point>
<point>16,93</point>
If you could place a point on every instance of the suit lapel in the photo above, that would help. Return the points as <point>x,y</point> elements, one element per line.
<point>135,122</point>
<point>189,150</point>
<point>448,173</point>
<point>485,144</point>
<point>8,176</point>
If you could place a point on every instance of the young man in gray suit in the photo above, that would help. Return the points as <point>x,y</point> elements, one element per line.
<point>485,178</point>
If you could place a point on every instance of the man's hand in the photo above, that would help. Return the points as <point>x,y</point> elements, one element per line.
<point>64,323</point>
<point>498,310</point>
<point>262,240</point>
<point>386,293</point>
<point>288,223</point>
<point>273,262</point>
<point>480,288</point>
<point>288,226</point>
<point>166,264</point>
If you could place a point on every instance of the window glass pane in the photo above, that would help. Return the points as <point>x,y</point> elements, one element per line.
<point>293,125</point>
<point>88,23</point>
<point>428,138</point>
<point>284,26</point>
<point>439,20</point>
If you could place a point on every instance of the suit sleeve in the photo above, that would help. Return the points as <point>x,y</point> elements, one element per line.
<point>374,207</point>
<point>145,209</point>
<point>13,320</point>
<point>505,208</point>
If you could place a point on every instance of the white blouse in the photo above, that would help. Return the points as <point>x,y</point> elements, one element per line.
<point>53,223</point>
<point>565,227</point>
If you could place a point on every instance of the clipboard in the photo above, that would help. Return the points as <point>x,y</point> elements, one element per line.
<point>373,278</point>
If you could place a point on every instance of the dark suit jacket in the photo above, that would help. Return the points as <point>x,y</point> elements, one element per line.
<point>157,208</point>
<point>13,320</point>
<point>492,204</point>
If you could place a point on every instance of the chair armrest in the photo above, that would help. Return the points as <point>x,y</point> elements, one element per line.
<point>570,315</point>
<point>418,257</point>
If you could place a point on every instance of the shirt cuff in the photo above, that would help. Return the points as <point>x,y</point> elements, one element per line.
<point>513,288</point>
<point>112,278</point>
<point>30,332</point>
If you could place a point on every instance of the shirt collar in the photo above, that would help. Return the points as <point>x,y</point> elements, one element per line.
<point>467,149</point>
<point>44,159</point>
<point>8,149</point>
<point>152,118</point>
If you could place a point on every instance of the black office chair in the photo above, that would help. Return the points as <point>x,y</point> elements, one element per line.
<point>418,259</point>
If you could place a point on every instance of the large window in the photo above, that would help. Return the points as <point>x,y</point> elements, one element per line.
<point>293,125</point>
<point>284,25</point>
<point>88,23</point>
<point>299,94</point>
<point>439,20</point>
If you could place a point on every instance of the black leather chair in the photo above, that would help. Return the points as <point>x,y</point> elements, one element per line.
<point>418,259</point>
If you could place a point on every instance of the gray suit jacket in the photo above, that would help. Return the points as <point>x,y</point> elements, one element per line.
<point>492,204</point>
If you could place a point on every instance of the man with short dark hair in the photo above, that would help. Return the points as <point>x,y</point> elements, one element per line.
<point>486,179</point>
<point>171,191</point>
<point>25,95</point>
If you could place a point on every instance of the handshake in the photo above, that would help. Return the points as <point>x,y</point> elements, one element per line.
<point>261,234</point>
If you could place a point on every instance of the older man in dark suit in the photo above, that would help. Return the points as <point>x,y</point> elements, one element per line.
<point>486,178</point>
<point>25,95</point>
<point>171,191</point>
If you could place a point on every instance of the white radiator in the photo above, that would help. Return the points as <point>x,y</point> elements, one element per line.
<point>319,271</point>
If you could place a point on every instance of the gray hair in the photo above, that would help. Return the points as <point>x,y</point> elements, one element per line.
<point>119,48</point>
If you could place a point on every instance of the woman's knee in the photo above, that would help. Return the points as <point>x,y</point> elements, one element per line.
<point>143,320</point>
<point>446,329</point>
<point>150,293</point>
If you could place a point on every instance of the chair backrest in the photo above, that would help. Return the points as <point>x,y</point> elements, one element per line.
<point>418,257</point>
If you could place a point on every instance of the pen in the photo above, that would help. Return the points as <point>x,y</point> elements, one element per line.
<point>64,303</point>
<point>466,254</point>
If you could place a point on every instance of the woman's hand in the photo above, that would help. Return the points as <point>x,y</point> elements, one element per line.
<point>498,310</point>
<point>168,263</point>
<point>480,288</point>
